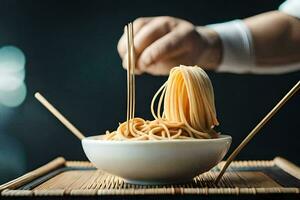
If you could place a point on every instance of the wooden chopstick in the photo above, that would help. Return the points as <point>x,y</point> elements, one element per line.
<point>26,178</point>
<point>130,74</point>
<point>59,116</point>
<point>133,61</point>
<point>257,128</point>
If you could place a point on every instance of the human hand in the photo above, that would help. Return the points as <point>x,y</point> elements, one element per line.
<point>165,42</point>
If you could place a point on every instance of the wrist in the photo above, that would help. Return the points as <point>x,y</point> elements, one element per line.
<point>212,55</point>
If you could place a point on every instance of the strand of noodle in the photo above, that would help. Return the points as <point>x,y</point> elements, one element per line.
<point>163,134</point>
<point>163,115</point>
<point>173,124</point>
<point>177,135</point>
<point>154,137</point>
<point>188,131</point>
<point>143,137</point>
<point>155,130</point>
<point>166,129</point>
<point>145,129</point>
<point>160,102</point>
<point>139,132</point>
<point>131,130</point>
<point>154,98</point>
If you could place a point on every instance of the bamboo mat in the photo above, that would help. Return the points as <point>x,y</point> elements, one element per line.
<point>73,178</point>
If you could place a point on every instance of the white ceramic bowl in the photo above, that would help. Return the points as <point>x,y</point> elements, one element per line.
<point>156,162</point>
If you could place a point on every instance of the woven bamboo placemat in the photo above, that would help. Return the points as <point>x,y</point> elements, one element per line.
<point>75,178</point>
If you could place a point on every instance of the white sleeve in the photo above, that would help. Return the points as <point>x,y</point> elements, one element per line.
<point>291,7</point>
<point>238,49</point>
<point>238,53</point>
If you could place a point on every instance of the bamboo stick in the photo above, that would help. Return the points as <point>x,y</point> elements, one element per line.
<point>288,167</point>
<point>59,116</point>
<point>33,174</point>
<point>257,128</point>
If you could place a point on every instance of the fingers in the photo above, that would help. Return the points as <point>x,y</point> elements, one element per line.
<point>162,67</point>
<point>137,25</point>
<point>151,32</point>
<point>162,49</point>
<point>161,43</point>
<point>124,64</point>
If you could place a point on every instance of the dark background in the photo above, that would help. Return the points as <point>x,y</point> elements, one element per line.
<point>70,47</point>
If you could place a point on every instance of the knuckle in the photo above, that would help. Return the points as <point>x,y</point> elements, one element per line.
<point>167,22</point>
<point>124,63</point>
<point>139,20</point>
<point>151,56</point>
<point>119,47</point>
<point>160,20</point>
<point>153,70</point>
<point>167,18</point>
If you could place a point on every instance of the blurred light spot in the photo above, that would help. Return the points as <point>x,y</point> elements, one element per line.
<point>9,83</point>
<point>12,75</point>
<point>13,98</point>
<point>12,60</point>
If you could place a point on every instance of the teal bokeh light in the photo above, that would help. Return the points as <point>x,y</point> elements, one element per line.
<point>12,74</point>
<point>13,98</point>
<point>12,60</point>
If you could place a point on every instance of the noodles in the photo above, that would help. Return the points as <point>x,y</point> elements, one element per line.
<point>188,111</point>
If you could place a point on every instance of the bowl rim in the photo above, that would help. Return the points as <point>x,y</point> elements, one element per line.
<point>91,139</point>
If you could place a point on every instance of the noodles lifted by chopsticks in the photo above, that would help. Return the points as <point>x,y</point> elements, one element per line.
<point>188,105</point>
<point>188,110</point>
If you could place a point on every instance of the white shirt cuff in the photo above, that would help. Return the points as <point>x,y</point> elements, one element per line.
<point>291,7</point>
<point>238,50</point>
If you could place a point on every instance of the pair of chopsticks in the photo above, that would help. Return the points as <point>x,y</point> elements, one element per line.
<point>130,74</point>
